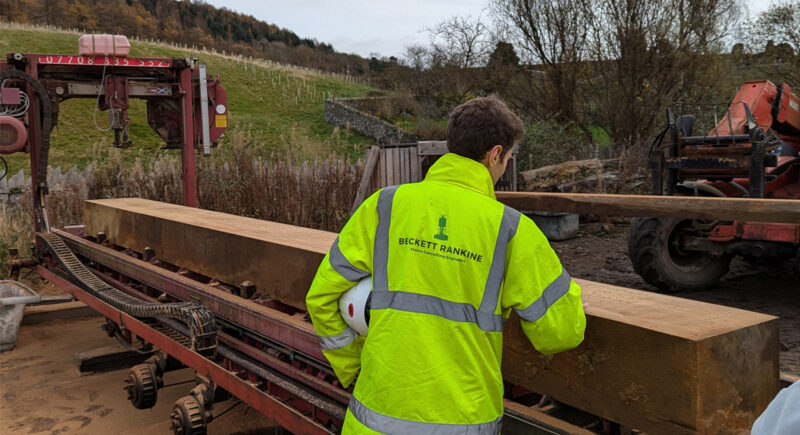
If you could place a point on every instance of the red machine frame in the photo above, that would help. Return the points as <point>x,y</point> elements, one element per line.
<point>176,79</point>
<point>286,380</point>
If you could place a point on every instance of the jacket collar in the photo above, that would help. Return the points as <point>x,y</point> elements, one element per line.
<point>463,171</point>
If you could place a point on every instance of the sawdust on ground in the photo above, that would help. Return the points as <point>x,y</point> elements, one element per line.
<point>41,390</point>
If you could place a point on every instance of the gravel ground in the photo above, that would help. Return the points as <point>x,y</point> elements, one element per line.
<point>601,254</point>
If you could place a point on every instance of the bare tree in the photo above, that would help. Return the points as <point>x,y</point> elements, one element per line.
<point>779,23</point>
<point>460,41</point>
<point>769,43</point>
<point>648,54</point>
<point>447,70</point>
<point>552,36</point>
<point>417,57</point>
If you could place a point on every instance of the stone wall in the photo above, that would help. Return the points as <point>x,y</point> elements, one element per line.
<point>339,112</point>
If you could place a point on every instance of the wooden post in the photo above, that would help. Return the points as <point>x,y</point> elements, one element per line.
<point>369,170</point>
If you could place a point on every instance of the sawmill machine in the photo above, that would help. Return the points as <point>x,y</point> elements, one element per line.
<point>752,152</point>
<point>186,106</point>
<point>240,344</point>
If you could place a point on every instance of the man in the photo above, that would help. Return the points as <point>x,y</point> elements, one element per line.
<point>448,264</point>
<point>782,416</point>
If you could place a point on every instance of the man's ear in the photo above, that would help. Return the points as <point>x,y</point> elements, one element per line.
<point>494,154</point>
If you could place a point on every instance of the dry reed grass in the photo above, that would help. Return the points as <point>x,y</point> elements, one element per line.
<point>293,185</point>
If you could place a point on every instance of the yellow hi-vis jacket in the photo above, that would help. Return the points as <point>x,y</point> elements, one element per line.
<point>448,264</point>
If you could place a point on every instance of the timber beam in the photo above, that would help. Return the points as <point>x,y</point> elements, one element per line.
<point>690,207</point>
<point>657,363</point>
<point>279,259</point>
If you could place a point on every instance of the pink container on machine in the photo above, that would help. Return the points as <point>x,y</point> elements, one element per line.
<point>104,45</point>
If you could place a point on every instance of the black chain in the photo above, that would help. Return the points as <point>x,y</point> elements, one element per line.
<point>197,317</point>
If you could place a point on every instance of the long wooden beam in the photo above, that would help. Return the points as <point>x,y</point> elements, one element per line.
<point>661,364</point>
<point>279,259</point>
<point>691,207</point>
<point>658,363</point>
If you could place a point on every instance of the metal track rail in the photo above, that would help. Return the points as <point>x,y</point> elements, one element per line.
<point>249,359</point>
<point>199,319</point>
<point>179,333</point>
<point>280,327</point>
<point>166,335</point>
<point>266,356</point>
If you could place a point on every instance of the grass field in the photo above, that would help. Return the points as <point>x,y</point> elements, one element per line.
<point>278,108</point>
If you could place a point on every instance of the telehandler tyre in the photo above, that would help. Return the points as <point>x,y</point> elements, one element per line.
<point>654,247</point>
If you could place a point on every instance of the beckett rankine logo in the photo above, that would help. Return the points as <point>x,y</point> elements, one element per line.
<point>442,235</point>
<point>439,249</point>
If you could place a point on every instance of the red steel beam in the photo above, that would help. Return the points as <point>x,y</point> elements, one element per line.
<point>272,407</point>
<point>188,169</point>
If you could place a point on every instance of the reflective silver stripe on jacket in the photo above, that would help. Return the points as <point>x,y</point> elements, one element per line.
<point>393,425</point>
<point>426,304</point>
<point>340,264</point>
<point>559,287</point>
<point>491,293</point>
<point>338,341</point>
<point>380,256</point>
<point>484,316</point>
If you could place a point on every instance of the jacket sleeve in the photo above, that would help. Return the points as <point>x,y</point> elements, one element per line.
<point>541,291</point>
<point>348,261</point>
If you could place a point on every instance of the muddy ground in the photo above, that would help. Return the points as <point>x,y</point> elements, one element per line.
<point>600,254</point>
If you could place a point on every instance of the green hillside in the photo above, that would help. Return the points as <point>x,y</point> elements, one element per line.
<point>272,108</point>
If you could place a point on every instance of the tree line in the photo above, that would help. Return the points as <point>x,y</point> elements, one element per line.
<point>610,65</point>
<point>194,23</point>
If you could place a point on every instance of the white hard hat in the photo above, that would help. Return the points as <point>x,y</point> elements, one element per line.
<point>353,305</point>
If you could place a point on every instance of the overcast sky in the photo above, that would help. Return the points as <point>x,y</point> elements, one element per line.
<point>367,26</point>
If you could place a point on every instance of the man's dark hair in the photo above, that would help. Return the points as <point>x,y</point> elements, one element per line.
<point>481,123</point>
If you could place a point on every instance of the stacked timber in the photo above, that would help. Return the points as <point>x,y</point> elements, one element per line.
<point>592,175</point>
<point>660,364</point>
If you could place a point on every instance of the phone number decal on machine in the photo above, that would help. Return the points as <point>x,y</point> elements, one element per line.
<point>102,60</point>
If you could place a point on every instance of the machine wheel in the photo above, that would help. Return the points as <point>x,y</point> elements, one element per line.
<point>141,386</point>
<point>654,247</point>
<point>188,417</point>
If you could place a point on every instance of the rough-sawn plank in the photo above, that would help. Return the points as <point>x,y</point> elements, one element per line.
<point>689,207</point>
<point>278,258</point>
